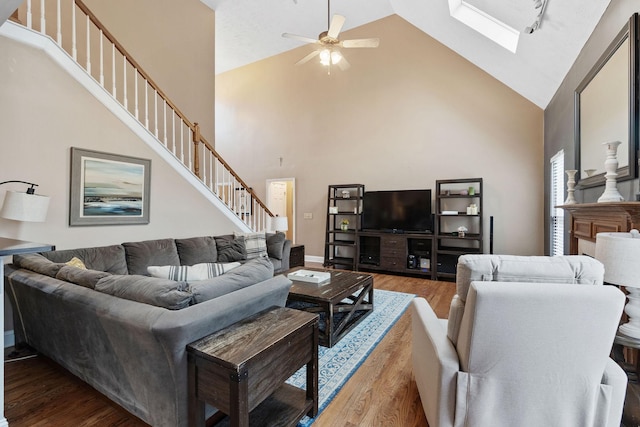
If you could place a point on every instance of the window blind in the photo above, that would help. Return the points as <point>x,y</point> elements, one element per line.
<point>557,198</point>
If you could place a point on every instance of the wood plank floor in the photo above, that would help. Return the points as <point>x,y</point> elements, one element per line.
<point>381,393</point>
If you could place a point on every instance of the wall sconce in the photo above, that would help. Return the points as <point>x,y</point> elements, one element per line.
<point>26,206</point>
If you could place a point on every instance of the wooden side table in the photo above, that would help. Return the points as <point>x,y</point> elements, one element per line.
<point>296,257</point>
<point>241,370</point>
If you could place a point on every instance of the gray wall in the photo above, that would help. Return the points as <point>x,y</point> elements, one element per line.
<point>559,114</point>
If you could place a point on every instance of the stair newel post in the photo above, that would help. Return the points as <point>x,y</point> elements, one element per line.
<point>196,141</point>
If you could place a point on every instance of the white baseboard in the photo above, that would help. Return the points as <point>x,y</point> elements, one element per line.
<point>9,339</point>
<point>312,258</point>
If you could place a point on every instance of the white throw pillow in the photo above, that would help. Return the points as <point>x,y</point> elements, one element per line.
<point>255,244</point>
<point>186,273</point>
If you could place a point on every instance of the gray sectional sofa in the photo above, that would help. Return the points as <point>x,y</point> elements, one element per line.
<point>124,332</point>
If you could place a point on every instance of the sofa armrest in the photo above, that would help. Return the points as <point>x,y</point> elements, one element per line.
<point>615,376</point>
<point>435,364</point>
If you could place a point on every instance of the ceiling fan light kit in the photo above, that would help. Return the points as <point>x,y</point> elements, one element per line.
<point>329,44</point>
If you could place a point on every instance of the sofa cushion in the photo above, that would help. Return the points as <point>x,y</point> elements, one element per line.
<point>255,244</point>
<point>275,245</point>
<point>249,273</point>
<point>230,249</point>
<point>37,263</point>
<point>203,271</point>
<point>103,258</point>
<point>148,290</point>
<point>140,255</point>
<point>81,276</point>
<point>196,250</point>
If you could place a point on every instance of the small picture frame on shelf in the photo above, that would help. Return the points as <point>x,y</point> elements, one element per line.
<point>333,209</point>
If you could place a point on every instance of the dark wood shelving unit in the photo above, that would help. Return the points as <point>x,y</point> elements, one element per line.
<point>341,248</point>
<point>390,253</point>
<point>452,200</point>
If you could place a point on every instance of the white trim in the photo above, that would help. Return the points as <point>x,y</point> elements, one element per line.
<point>313,258</point>
<point>9,339</point>
<point>490,27</point>
<point>45,43</point>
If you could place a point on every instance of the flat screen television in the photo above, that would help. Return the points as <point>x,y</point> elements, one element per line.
<point>401,211</point>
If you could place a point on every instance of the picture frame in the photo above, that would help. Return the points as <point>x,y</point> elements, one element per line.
<point>108,189</point>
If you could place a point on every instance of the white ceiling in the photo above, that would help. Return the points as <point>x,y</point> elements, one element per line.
<point>251,30</point>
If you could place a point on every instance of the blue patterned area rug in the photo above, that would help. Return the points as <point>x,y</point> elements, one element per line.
<point>337,364</point>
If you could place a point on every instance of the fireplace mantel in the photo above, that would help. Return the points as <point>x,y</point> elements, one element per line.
<point>589,219</point>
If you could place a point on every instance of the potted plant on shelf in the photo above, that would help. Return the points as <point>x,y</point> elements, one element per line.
<point>462,230</point>
<point>344,224</point>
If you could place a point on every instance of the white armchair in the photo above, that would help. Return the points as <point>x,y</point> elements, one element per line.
<point>521,354</point>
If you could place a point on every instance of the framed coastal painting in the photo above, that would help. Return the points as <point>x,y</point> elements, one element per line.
<point>108,189</point>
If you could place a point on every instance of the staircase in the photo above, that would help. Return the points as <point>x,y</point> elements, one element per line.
<point>122,85</point>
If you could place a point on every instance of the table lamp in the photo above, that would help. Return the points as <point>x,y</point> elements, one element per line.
<point>279,223</point>
<point>620,253</point>
<point>26,206</point>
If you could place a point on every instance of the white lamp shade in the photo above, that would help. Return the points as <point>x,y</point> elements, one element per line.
<point>279,223</point>
<point>25,207</point>
<point>620,254</point>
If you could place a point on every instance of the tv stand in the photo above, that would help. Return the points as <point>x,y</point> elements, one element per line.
<point>396,252</point>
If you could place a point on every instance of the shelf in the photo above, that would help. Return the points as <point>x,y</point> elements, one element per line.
<point>449,246</point>
<point>342,243</point>
<point>339,261</point>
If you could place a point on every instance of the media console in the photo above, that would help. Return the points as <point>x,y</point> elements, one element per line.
<point>406,253</point>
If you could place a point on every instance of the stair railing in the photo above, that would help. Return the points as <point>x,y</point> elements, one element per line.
<point>73,27</point>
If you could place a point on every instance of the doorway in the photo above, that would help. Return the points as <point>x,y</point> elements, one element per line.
<point>281,196</point>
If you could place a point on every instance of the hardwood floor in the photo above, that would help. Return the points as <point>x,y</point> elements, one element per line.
<point>381,393</point>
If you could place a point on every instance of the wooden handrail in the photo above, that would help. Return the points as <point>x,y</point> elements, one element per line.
<point>132,61</point>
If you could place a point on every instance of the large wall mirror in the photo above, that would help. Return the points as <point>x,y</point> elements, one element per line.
<point>606,110</point>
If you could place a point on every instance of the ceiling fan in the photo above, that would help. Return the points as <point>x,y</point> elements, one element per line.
<point>329,44</point>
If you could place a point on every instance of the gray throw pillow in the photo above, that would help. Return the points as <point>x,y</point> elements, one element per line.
<point>230,249</point>
<point>81,276</point>
<point>275,245</point>
<point>148,290</point>
<point>102,258</point>
<point>37,263</point>
<point>248,274</point>
<point>197,250</point>
<point>140,255</point>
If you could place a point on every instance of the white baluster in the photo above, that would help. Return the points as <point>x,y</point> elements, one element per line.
<point>59,24</point>
<point>155,101</point>
<point>135,87</point>
<point>74,44</point>
<point>182,137</point>
<point>173,134</point>
<point>43,23</point>
<point>164,120</point>
<point>29,15</point>
<point>113,69</point>
<point>124,82</point>
<point>88,45</point>
<point>146,104</point>
<point>101,59</point>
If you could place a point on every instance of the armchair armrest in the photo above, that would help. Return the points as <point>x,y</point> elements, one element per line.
<point>286,255</point>
<point>615,376</point>
<point>435,364</point>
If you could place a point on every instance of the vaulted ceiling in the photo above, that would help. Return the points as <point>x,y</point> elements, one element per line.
<point>250,30</point>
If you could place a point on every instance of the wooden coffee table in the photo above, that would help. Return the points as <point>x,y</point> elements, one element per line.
<point>342,303</point>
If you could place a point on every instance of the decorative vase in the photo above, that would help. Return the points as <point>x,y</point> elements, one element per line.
<point>571,184</point>
<point>344,227</point>
<point>611,193</point>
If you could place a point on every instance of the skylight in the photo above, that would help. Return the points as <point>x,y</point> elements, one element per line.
<point>485,24</point>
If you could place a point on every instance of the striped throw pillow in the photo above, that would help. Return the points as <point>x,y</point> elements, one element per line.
<point>187,273</point>
<point>255,244</point>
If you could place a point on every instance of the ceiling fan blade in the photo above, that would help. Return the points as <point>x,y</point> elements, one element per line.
<point>300,38</point>
<point>336,26</point>
<point>343,64</point>
<point>308,57</point>
<point>373,42</point>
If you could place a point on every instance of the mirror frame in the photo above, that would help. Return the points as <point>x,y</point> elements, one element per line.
<point>630,32</point>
